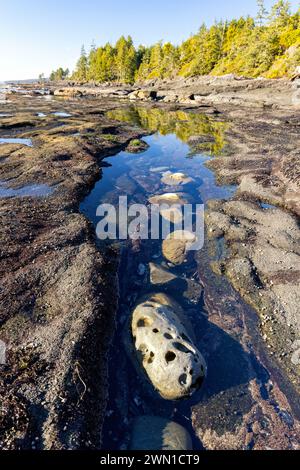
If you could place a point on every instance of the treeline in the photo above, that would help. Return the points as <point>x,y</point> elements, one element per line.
<point>268,45</point>
<point>59,74</point>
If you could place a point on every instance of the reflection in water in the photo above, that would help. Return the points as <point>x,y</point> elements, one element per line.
<point>27,142</point>
<point>268,206</point>
<point>33,190</point>
<point>62,114</point>
<point>140,177</point>
<point>201,132</point>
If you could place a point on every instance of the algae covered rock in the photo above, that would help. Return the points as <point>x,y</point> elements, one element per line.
<point>170,359</point>
<point>155,433</point>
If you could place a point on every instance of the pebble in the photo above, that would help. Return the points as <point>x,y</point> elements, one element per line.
<point>141,270</point>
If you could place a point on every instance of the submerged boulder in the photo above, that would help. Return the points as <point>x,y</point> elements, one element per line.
<point>155,433</point>
<point>168,198</point>
<point>175,179</point>
<point>172,214</point>
<point>175,247</point>
<point>170,206</point>
<point>165,350</point>
<point>160,275</point>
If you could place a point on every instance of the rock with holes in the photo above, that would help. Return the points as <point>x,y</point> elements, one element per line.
<point>155,433</point>
<point>171,360</point>
<point>176,246</point>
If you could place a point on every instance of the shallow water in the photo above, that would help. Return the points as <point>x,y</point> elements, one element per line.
<point>33,190</point>
<point>62,114</point>
<point>268,206</point>
<point>138,176</point>
<point>27,142</point>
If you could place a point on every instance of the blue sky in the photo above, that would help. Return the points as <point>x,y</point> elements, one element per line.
<point>39,35</point>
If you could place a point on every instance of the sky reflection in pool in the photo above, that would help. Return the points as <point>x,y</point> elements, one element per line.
<point>267,206</point>
<point>61,114</point>
<point>27,142</point>
<point>33,190</point>
<point>133,175</point>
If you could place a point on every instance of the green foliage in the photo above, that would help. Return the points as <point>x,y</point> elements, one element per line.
<point>59,74</point>
<point>262,13</point>
<point>135,143</point>
<point>268,45</point>
<point>81,72</point>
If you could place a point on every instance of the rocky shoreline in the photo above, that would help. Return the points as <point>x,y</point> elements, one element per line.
<point>49,254</point>
<point>58,291</point>
<point>197,92</point>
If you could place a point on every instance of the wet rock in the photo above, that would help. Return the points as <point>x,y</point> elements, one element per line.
<point>263,264</point>
<point>175,247</point>
<point>137,146</point>
<point>170,359</point>
<point>59,291</point>
<point>168,198</point>
<point>218,223</point>
<point>160,275</point>
<point>155,433</point>
<point>175,179</point>
<point>173,214</point>
<point>170,206</point>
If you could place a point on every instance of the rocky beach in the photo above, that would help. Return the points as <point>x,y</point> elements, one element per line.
<point>70,306</point>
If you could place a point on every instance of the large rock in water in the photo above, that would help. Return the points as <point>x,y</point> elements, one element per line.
<point>172,362</point>
<point>154,433</point>
<point>175,247</point>
<point>170,206</point>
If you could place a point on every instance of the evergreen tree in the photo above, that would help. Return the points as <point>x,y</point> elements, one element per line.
<point>81,71</point>
<point>268,45</point>
<point>125,60</point>
<point>280,13</point>
<point>262,13</point>
<point>59,74</point>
